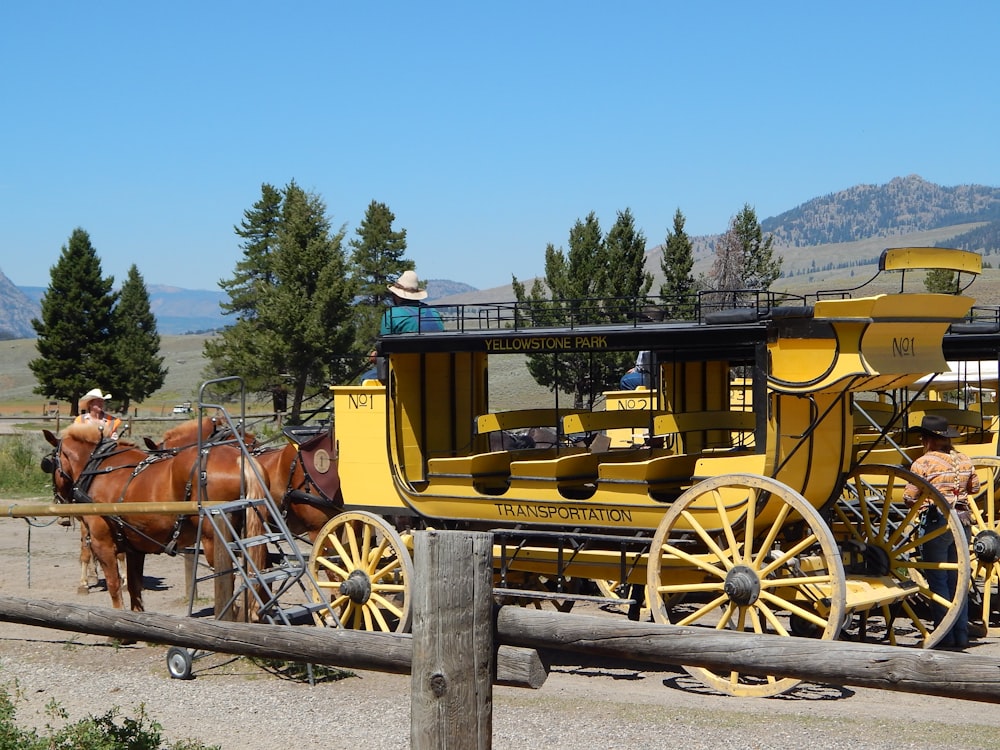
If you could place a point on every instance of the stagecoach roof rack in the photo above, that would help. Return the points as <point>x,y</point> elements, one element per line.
<point>705,308</point>
<point>712,323</point>
<point>920,259</point>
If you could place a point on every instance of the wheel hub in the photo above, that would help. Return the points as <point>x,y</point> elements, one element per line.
<point>357,587</point>
<point>987,546</point>
<point>742,585</point>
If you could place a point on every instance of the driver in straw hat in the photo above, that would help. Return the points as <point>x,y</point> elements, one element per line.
<point>92,411</point>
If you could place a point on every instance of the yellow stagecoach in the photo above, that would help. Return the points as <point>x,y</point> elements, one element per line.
<point>739,492</point>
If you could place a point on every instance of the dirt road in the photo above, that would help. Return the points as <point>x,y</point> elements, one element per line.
<point>242,705</point>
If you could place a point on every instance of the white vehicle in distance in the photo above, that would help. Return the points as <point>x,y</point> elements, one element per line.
<point>184,408</point>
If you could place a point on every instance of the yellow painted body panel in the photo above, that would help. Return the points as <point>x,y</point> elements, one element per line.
<point>365,476</point>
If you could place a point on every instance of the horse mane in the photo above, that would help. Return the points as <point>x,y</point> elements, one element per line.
<point>186,432</point>
<point>88,432</point>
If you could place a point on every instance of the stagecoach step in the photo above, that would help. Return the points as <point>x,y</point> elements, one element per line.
<point>256,541</point>
<point>556,596</point>
<point>277,574</point>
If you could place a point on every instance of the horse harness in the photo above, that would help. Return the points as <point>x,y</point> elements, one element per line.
<point>105,449</point>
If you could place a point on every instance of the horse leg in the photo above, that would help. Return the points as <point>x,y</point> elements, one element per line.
<point>88,565</point>
<point>134,563</point>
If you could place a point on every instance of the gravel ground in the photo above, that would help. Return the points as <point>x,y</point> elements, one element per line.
<point>241,705</point>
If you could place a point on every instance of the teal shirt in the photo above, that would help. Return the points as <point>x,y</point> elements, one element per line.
<point>410,319</point>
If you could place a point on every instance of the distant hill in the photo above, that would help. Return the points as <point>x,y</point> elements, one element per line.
<point>16,311</point>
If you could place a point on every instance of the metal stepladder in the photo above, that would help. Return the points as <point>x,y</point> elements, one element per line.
<point>278,587</point>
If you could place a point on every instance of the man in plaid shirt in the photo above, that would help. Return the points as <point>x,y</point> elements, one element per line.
<point>954,476</point>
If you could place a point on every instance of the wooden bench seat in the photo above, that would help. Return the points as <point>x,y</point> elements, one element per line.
<point>577,469</point>
<point>662,472</point>
<point>518,419</point>
<point>488,469</point>
<point>616,419</point>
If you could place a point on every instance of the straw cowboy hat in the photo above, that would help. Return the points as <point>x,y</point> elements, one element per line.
<point>407,286</point>
<point>92,395</point>
<point>937,426</point>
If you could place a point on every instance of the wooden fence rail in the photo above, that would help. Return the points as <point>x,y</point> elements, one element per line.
<point>455,634</point>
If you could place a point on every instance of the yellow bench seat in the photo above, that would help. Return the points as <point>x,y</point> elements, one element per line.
<point>482,465</point>
<point>573,469</point>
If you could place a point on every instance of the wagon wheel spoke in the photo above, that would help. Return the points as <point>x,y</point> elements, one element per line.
<point>985,542</point>
<point>744,566</point>
<point>363,570</point>
<point>897,559</point>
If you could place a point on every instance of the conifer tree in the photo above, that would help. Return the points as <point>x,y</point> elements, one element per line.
<point>259,230</point>
<point>744,258</point>
<point>676,262</point>
<point>940,281</point>
<point>377,259</point>
<point>140,371</point>
<point>76,330</point>
<point>597,280</point>
<point>295,329</point>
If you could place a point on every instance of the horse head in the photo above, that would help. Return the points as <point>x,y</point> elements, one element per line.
<point>71,452</point>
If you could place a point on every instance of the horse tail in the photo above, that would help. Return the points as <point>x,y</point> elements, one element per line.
<point>255,523</point>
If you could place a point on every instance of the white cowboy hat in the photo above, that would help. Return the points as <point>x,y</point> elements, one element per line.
<point>407,286</point>
<point>92,395</point>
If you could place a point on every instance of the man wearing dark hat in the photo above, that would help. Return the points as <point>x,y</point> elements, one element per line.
<point>954,476</point>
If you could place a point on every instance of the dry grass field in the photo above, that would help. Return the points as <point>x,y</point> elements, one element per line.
<point>182,358</point>
<point>510,384</point>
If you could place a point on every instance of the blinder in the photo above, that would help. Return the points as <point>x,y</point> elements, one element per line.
<point>48,463</point>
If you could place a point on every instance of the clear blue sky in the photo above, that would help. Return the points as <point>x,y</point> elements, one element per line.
<point>488,128</point>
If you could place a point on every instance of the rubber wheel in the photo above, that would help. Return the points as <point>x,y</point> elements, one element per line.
<point>884,534</point>
<point>745,553</point>
<point>364,570</point>
<point>985,546</point>
<point>179,663</point>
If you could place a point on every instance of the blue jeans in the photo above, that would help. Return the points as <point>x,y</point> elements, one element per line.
<point>944,582</point>
<point>632,380</point>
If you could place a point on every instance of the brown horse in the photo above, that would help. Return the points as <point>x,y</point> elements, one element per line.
<point>306,490</point>
<point>86,467</point>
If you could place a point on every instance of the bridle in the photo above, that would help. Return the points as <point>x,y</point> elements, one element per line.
<point>52,465</point>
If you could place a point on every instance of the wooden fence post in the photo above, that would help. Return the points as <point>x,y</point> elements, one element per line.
<point>451,688</point>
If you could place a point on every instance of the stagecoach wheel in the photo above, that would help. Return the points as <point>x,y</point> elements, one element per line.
<point>179,663</point>
<point>882,540</point>
<point>364,570</point>
<point>985,547</point>
<point>746,553</point>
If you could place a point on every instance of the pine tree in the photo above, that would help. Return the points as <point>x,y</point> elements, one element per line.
<point>299,325</point>
<point>377,259</point>
<point>677,261</point>
<point>744,259</point>
<point>76,331</point>
<point>941,281</point>
<point>259,230</point>
<point>597,280</point>
<point>140,371</point>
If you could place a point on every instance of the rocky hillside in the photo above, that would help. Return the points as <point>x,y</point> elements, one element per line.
<point>16,311</point>
<point>903,206</point>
